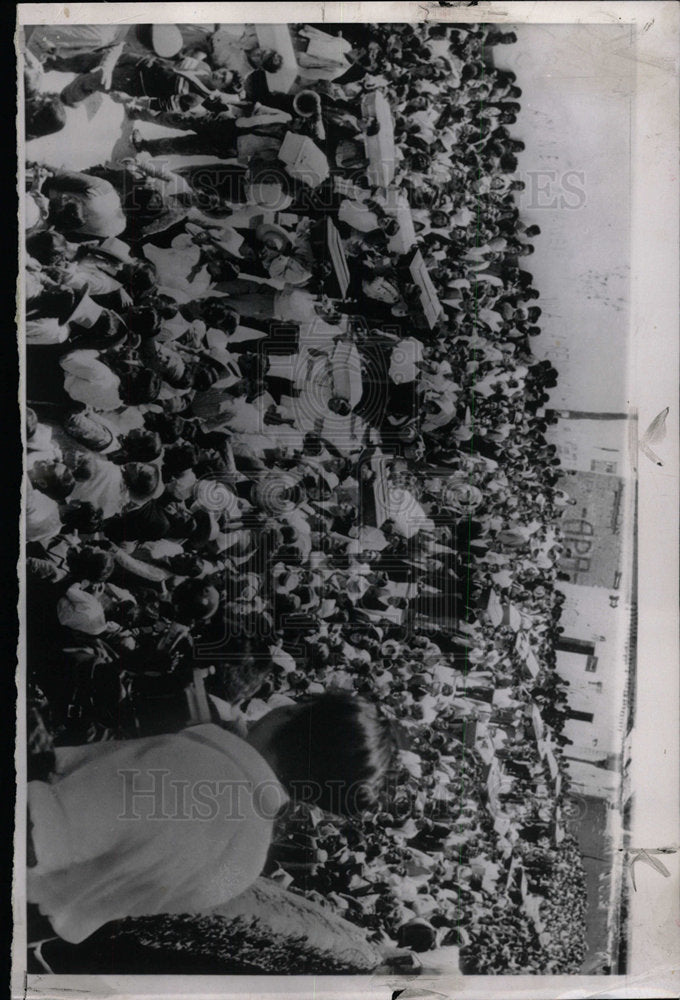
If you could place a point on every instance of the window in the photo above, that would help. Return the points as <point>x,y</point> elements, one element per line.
<point>600,465</point>
<point>580,716</point>
<point>568,645</point>
<point>591,664</point>
<point>596,686</point>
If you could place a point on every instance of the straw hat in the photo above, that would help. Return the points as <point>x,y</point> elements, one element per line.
<point>267,230</point>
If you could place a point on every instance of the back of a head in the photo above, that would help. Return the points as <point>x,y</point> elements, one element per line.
<point>67,215</point>
<point>141,386</point>
<point>90,563</point>
<point>45,115</point>
<point>334,753</point>
<point>46,246</point>
<point>272,61</point>
<point>142,445</point>
<point>194,600</point>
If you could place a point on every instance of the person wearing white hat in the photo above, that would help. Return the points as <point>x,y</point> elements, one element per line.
<point>42,516</point>
<point>81,611</point>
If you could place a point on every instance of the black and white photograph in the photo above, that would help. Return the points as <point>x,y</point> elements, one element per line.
<point>338,436</point>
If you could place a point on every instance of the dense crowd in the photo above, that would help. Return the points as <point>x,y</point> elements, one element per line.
<point>286,433</point>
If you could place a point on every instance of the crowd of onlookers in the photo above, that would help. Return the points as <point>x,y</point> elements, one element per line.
<point>260,444</point>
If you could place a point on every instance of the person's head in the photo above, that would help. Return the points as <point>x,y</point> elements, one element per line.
<point>215,312</point>
<point>532,231</point>
<point>47,247</point>
<point>419,162</point>
<point>108,330</point>
<point>137,277</point>
<point>66,214</point>
<point>31,423</point>
<point>163,304</point>
<point>219,267</point>
<point>45,115</point>
<point>168,426</point>
<point>141,478</point>
<point>509,38</point>
<point>178,458</point>
<point>143,321</point>
<point>142,445</point>
<point>52,478</point>
<point>57,302</point>
<point>332,750</point>
<point>195,601</point>
<point>89,563</point>
<point>470,71</point>
<point>202,376</point>
<point>81,516</point>
<point>186,564</point>
<point>390,227</point>
<point>223,79</point>
<point>508,163</point>
<point>269,60</point>
<point>140,385</point>
<point>417,104</point>
<point>340,406</point>
<point>439,219</point>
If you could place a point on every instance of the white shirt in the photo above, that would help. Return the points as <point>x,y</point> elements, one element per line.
<point>98,118</point>
<point>105,853</point>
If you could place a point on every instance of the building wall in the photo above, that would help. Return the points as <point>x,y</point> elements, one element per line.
<point>597,686</point>
<point>593,527</point>
<point>593,445</point>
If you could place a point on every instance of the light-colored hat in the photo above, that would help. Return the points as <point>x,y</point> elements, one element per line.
<point>158,491</point>
<point>268,194</point>
<point>80,610</point>
<point>33,214</point>
<point>86,312</point>
<point>42,516</point>
<point>166,40</point>
<point>117,248</point>
<point>266,229</point>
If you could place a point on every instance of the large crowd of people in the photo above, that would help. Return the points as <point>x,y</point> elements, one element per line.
<point>286,434</point>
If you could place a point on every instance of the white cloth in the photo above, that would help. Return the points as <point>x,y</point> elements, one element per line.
<point>104,489</point>
<point>89,381</point>
<point>42,516</point>
<point>173,268</point>
<point>98,117</point>
<point>101,856</point>
<point>79,610</point>
<point>46,330</point>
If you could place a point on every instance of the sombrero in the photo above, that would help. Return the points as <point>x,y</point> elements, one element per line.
<point>84,311</point>
<point>159,489</point>
<point>268,229</point>
<point>88,431</point>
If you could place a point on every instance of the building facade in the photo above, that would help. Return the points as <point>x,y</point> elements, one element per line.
<point>597,579</point>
